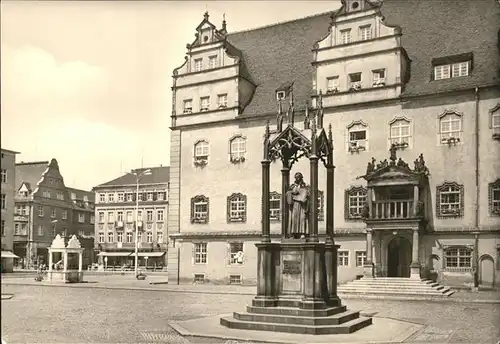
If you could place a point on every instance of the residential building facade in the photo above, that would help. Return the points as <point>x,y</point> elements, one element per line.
<point>45,207</point>
<point>422,113</point>
<point>125,201</point>
<point>8,180</point>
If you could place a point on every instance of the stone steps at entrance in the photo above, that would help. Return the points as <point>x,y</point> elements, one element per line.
<point>395,286</point>
<point>344,328</point>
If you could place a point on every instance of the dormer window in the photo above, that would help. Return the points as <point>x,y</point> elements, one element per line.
<point>197,65</point>
<point>280,95</point>
<point>188,106</point>
<point>365,32</point>
<point>378,77</point>
<point>452,66</point>
<point>355,81</point>
<point>332,85</point>
<point>204,103</point>
<point>222,101</point>
<point>345,36</point>
<point>212,62</point>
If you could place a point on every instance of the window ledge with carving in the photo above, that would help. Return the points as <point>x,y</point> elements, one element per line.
<point>199,220</point>
<point>495,211</point>
<point>356,149</point>
<point>451,213</point>
<point>240,219</point>
<point>456,269</point>
<point>275,218</point>
<point>400,145</point>
<point>355,88</point>
<point>496,136</point>
<point>222,106</point>
<point>200,162</point>
<point>332,91</point>
<point>450,140</point>
<point>379,83</point>
<point>237,159</point>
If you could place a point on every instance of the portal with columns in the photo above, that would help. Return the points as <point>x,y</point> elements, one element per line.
<point>395,215</point>
<point>68,268</point>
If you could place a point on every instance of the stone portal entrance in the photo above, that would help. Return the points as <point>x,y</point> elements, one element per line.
<point>399,252</point>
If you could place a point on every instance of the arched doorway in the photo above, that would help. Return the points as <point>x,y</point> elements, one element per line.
<point>486,271</point>
<point>398,257</point>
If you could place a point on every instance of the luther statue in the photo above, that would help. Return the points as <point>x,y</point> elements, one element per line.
<point>297,198</point>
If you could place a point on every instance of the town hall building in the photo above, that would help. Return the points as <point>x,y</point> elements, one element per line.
<point>410,90</point>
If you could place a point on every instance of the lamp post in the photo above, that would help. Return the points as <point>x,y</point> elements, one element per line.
<point>137,179</point>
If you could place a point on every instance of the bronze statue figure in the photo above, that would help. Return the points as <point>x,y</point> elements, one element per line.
<point>393,156</point>
<point>297,198</point>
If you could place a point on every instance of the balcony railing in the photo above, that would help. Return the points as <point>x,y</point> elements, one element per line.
<point>395,209</point>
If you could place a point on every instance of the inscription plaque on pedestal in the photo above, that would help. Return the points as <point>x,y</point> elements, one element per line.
<point>291,272</point>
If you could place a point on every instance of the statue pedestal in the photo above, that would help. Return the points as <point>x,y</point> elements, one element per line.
<point>69,276</point>
<point>297,292</point>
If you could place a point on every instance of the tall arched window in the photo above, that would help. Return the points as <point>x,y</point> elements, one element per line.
<point>201,152</point>
<point>450,200</point>
<point>237,149</point>
<point>400,132</point>
<point>450,127</point>
<point>237,208</point>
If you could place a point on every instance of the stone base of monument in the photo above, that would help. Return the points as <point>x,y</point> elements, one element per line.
<point>297,292</point>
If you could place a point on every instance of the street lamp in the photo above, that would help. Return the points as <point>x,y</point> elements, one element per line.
<point>137,178</point>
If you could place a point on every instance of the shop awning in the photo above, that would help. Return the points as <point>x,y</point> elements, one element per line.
<point>114,254</point>
<point>148,254</point>
<point>8,254</point>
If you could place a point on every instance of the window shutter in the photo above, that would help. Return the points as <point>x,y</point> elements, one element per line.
<point>155,196</point>
<point>134,197</point>
<point>165,196</point>
<point>193,253</point>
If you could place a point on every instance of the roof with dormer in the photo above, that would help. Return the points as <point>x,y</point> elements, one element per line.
<point>30,173</point>
<point>281,53</point>
<point>159,175</point>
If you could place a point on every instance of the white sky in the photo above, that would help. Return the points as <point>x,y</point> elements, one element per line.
<point>88,82</point>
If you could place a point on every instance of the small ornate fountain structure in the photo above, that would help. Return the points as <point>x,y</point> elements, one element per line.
<point>62,271</point>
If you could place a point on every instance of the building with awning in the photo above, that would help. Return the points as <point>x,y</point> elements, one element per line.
<point>8,254</point>
<point>117,259</point>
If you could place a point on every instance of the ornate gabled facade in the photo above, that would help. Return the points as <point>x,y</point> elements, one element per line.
<point>386,79</point>
<point>45,207</point>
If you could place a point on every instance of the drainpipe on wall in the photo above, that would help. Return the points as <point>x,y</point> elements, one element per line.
<point>476,210</point>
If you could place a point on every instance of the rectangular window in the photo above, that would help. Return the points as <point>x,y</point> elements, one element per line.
<point>200,253</point>
<point>236,253</point>
<point>149,237</point>
<point>101,217</point>
<point>149,215</point>
<point>92,218</point>
<point>365,32</point>
<point>129,237</point>
<point>139,237</point>
<point>234,279</point>
<point>212,62</point>
<point>332,84</point>
<point>199,278</point>
<point>360,258</point>
<point>121,197</point>
<point>111,197</point>
<point>54,230</point>
<point>345,36</point>
<point>101,237</point>
<point>40,230</point>
<point>111,217</point>
<point>149,196</point>
<point>200,210</point>
<point>81,233</point>
<point>3,202</point>
<point>86,199</point>
<point>222,101</point>
<point>188,106</point>
<point>53,214</point>
<point>129,217</point>
<point>139,215</point>
<point>450,127</point>
<point>197,65</point>
<point>73,196</point>
<point>160,196</point>
<point>40,210</point>
<point>400,132</point>
<point>355,81</point>
<point>159,215</point>
<point>357,200</point>
<point>459,69</point>
<point>111,237</point>
<point>119,237</point>
<point>449,200</point>
<point>4,175</point>
<point>378,77</point>
<point>275,206</point>
<point>357,137</point>
<point>495,122</point>
<point>204,103</point>
<point>102,198</point>
<point>130,197</point>
<point>441,72</point>
<point>60,196</point>
<point>458,257</point>
<point>119,216</point>
<point>343,258</point>
<point>237,208</point>
<point>159,237</point>
<point>65,232</point>
<point>81,217</point>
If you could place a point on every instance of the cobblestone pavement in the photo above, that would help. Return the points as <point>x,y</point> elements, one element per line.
<point>84,315</point>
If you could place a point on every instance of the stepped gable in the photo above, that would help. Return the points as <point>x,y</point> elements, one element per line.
<point>430,29</point>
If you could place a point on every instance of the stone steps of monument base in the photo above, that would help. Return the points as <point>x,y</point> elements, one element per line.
<point>394,282</point>
<point>395,291</point>
<point>297,303</point>
<point>393,286</point>
<point>336,319</point>
<point>345,328</point>
<point>294,311</point>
